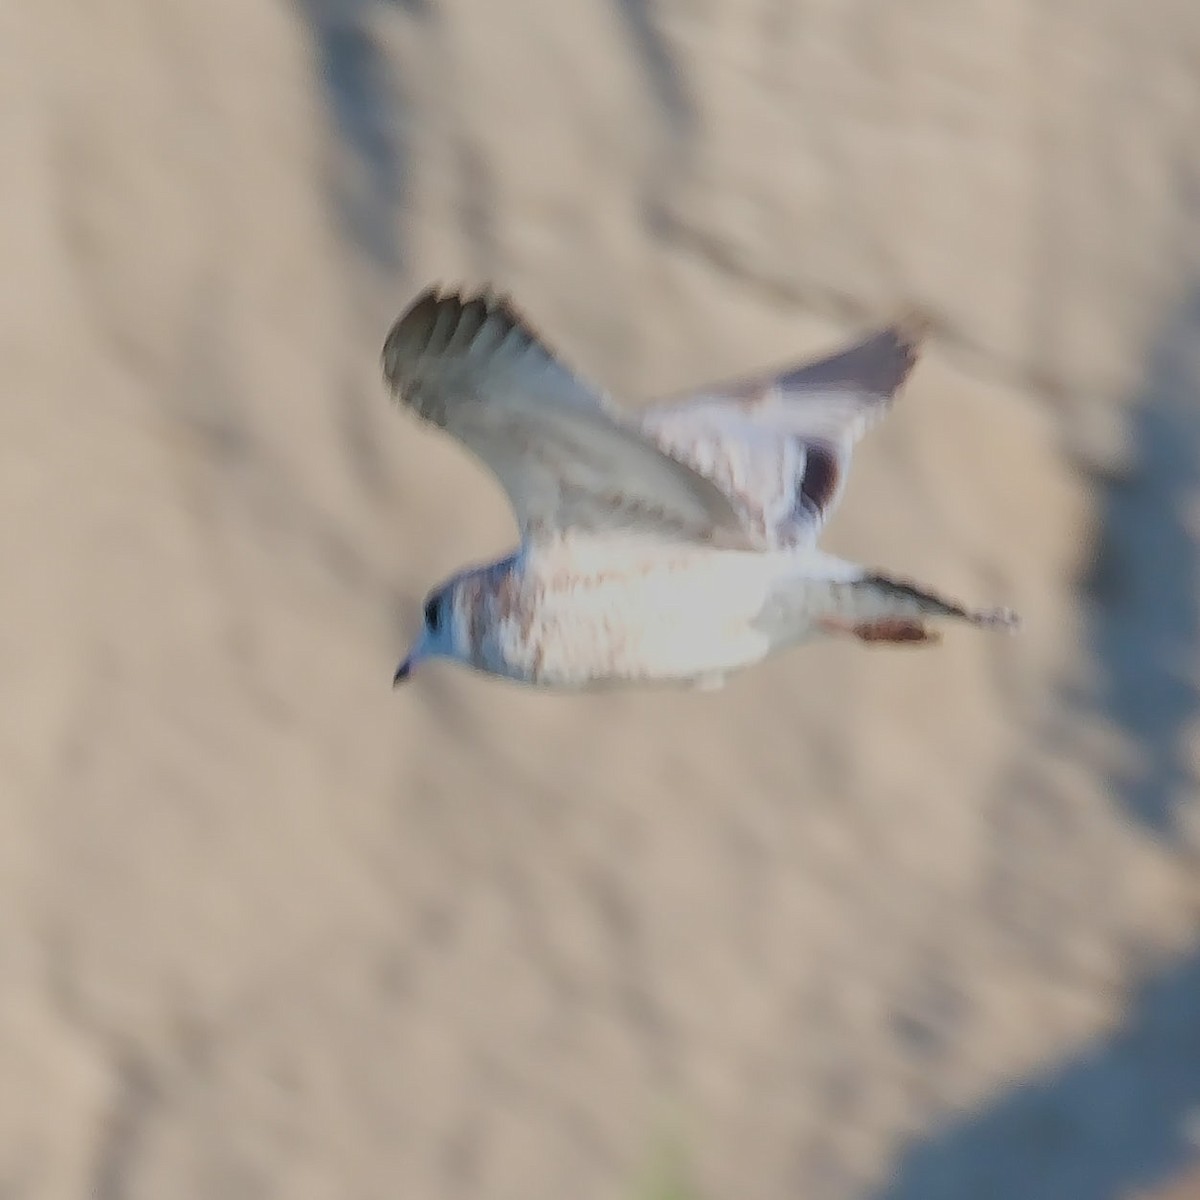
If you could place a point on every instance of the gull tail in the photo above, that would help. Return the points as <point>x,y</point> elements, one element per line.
<point>878,608</point>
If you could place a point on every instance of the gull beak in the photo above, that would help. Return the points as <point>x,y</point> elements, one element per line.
<point>404,670</point>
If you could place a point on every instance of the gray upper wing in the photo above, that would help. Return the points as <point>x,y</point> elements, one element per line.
<point>567,458</point>
<point>779,444</point>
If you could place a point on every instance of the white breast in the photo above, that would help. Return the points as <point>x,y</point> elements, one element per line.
<point>620,611</point>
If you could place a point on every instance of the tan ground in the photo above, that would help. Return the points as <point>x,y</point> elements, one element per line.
<point>868,924</point>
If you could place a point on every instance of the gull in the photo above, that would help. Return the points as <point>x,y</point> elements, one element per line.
<point>672,545</point>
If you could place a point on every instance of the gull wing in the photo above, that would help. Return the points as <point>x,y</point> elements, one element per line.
<point>568,459</point>
<point>779,445</point>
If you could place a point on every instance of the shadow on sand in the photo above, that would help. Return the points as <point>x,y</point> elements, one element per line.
<point>1145,582</point>
<point>365,105</point>
<point>1124,1115</point>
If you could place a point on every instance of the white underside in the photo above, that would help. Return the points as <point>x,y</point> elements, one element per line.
<point>684,614</point>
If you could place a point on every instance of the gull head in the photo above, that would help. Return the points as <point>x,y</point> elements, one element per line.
<point>476,618</point>
<point>443,633</point>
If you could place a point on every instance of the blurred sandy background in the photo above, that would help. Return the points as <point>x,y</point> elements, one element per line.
<point>867,925</point>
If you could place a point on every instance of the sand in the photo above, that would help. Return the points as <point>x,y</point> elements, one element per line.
<point>870,924</point>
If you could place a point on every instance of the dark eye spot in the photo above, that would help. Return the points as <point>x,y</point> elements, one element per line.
<point>433,613</point>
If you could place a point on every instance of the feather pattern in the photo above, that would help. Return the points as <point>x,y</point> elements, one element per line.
<point>779,445</point>
<point>563,452</point>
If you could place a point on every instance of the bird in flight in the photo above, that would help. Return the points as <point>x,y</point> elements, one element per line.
<point>675,544</point>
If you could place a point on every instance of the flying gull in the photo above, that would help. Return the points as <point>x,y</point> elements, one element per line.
<point>675,544</point>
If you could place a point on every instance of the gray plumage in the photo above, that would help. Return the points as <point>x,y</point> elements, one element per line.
<point>674,544</point>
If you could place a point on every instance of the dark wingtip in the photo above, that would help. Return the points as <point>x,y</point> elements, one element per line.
<point>880,363</point>
<point>411,333</point>
<point>884,361</point>
<point>410,329</point>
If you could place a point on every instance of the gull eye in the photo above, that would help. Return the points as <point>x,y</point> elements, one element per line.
<point>433,613</point>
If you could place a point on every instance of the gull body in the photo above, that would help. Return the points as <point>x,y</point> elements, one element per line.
<point>671,546</point>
